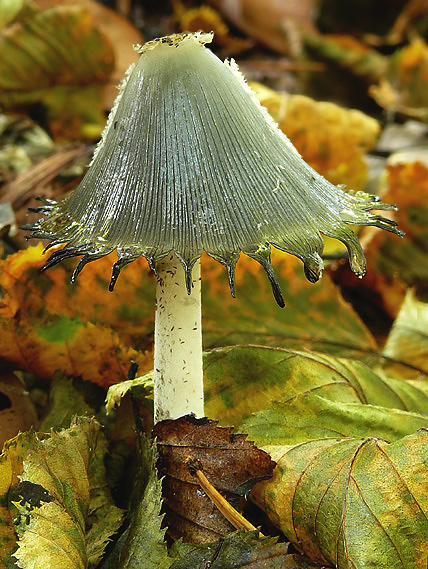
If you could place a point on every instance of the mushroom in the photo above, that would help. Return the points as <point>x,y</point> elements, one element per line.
<point>189,161</point>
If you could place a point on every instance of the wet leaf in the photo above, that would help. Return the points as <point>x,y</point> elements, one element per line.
<point>11,466</point>
<point>241,380</point>
<point>142,544</point>
<point>332,139</point>
<point>57,47</point>
<point>238,549</point>
<point>65,512</point>
<point>353,502</point>
<point>407,342</point>
<point>231,464</point>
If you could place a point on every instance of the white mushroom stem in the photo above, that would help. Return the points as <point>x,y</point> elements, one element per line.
<point>178,342</point>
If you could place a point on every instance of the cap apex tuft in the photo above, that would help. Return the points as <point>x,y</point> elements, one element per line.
<point>175,40</point>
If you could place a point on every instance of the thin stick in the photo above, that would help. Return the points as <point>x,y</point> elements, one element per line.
<point>228,511</point>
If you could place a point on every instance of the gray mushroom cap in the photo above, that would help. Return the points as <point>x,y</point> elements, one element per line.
<point>190,161</point>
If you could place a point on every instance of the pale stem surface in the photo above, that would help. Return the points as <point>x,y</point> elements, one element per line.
<point>178,342</point>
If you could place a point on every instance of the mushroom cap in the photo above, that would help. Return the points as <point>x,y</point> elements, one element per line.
<point>190,161</point>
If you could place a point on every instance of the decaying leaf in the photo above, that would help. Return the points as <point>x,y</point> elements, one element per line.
<point>353,502</point>
<point>65,512</point>
<point>332,139</point>
<point>230,462</point>
<point>244,549</point>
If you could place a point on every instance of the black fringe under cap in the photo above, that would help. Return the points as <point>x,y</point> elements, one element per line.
<point>190,161</point>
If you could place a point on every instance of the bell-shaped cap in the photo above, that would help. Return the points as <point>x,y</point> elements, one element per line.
<point>190,161</point>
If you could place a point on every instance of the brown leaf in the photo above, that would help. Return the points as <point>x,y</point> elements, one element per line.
<point>230,462</point>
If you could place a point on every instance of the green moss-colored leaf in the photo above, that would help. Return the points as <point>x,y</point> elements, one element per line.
<point>353,502</point>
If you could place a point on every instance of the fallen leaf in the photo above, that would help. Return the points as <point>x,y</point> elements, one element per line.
<point>403,88</point>
<point>394,265</point>
<point>310,417</point>
<point>120,31</point>
<point>142,544</point>
<point>231,464</point>
<point>331,139</point>
<point>65,403</point>
<point>353,502</point>
<point>50,52</point>
<point>17,411</point>
<point>315,318</point>
<point>49,325</point>
<point>65,512</point>
<point>239,549</point>
<point>242,380</point>
<point>407,342</point>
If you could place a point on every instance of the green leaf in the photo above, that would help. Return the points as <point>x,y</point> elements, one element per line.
<point>309,416</point>
<point>241,380</point>
<point>142,544</point>
<point>65,402</point>
<point>243,549</point>
<point>353,502</point>
<point>65,511</point>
